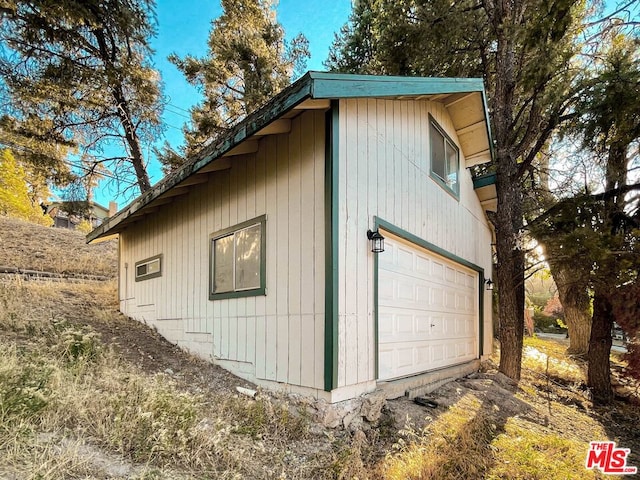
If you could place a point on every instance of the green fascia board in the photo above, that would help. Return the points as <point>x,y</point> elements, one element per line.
<point>335,85</point>
<point>316,85</point>
<point>484,181</point>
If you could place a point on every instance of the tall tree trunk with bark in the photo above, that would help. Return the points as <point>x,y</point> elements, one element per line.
<point>508,220</point>
<point>574,296</point>
<point>132,139</point>
<point>599,370</point>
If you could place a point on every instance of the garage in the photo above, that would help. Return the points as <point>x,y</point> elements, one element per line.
<point>427,310</point>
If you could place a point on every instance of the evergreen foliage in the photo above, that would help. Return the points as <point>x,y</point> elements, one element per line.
<point>598,233</point>
<point>78,79</point>
<point>524,51</point>
<point>248,62</point>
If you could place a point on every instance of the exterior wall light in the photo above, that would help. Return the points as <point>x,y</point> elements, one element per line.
<point>489,284</point>
<point>377,241</point>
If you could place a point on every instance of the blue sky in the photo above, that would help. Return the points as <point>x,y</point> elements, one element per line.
<point>183,28</point>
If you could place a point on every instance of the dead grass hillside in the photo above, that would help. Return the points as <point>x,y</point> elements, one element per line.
<point>88,393</point>
<point>58,250</point>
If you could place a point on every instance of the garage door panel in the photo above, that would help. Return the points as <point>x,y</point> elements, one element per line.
<point>423,324</point>
<point>385,325</point>
<point>405,290</point>
<point>405,259</point>
<point>427,311</point>
<point>403,359</point>
<point>386,290</point>
<point>437,271</point>
<point>423,265</point>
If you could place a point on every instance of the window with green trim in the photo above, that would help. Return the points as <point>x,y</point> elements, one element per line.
<point>238,260</point>
<point>445,158</point>
<point>149,268</point>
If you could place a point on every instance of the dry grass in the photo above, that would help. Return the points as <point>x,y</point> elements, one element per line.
<point>34,247</point>
<point>539,429</point>
<point>84,394</point>
<point>59,381</point>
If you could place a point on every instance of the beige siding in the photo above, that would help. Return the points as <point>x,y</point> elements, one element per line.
<point>384,172</point>
<point>277,337</point>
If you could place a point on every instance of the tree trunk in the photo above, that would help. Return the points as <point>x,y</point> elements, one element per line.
<point>503,16</point>
<point>510,281</point>
<point>574,296</point>
<point>137,158</point>
<point>108,55</point>
<point>598,371</point>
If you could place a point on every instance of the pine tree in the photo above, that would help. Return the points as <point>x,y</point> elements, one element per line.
<point>248,62</point>
<point>79,79</point>
<point>598,233</point>
<point>523,49</point>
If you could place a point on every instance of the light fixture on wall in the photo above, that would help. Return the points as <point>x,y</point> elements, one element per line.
<point>489,283</point>
<point>377,241</point>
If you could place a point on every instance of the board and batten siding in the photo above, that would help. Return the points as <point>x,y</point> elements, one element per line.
<point>384,172</point>
<point>278,337</point>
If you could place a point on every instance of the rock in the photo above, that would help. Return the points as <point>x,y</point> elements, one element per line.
<point>331,419</point>
<point>372,406</point>
<point>350,417</point>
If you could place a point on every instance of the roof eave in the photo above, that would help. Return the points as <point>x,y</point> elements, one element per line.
<point>315,85</point>
<point>278,105</point>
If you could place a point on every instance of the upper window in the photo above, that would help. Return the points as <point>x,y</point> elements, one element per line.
<point>149,268</point>
<point>238,260</point>
<point>445,159</point>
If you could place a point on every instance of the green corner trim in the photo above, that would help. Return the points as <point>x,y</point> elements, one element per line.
<point>331,248</point>
<point>410,237</point>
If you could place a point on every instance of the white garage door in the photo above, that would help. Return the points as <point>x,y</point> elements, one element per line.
<point>427,311</point>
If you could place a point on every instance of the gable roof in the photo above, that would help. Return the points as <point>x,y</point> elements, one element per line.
<point>464,98</point>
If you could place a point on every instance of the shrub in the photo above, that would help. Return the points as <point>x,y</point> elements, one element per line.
<point>23,386</point>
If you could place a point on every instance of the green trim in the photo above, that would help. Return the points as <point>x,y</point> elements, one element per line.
<point>454,192</point>
<point>484,181</point>
<point>331,247</point>
<point>399,232</point>
<point>254,292</point>
<point>481,281</point>
<point>336,85</point>
<point>157,274</point>
<point>376,336</point>
<point>283,102</point>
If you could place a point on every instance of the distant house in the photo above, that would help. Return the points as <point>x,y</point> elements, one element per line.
<point>256,255</point>
<point>70,214</point>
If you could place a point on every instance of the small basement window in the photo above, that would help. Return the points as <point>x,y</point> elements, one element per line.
<point>149,268</point>
<point>445,159</point>
<point>237,260</point>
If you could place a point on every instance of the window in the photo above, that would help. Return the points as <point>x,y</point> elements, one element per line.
<point>238,260</point>
<point>149,268</point>
<point>445,159</point>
